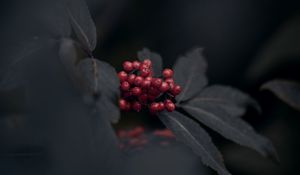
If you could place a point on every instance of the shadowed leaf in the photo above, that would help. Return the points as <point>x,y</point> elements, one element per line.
<point>154,57</point>
<point>100,79</point>
<point>230,127</point>
<point>190,133</point>
<point>233,101</point>
<point>189,73</point>
<point>109,109</point>
<point>287,91</point>
<point>69,58</point>
<point>82,23</point>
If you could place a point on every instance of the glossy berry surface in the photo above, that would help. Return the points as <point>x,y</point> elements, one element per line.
<point>127,66</point>
<point>167,73</point>
<point>139,90</point>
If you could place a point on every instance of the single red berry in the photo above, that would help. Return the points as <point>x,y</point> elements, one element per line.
<point>138,80</point>
<point>154,107</point>
<point>148,78</point>
<point>136,91</point>
<point>161,106</point>
<point>127,66</point>
<point>172,85</point>
<point>167,101</point>
<point>131,78</point>
<point>146,84</point>
<point>153,91</point>
<point>136,64</point>
<point>147,62</point>
<point>122,104</point>
<point>143,98</point>
<point>156,82</point>
<point>170,107</point>
<point>125,86</point>
<point>144,72</point>
<point>122,76</point>
<point>176,90</point>
<point>169,80</point>
<point>164,87</point>
<point>167,73</point>
<point>136,106</point>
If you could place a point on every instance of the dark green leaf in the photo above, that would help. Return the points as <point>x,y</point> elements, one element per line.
<point>233,101</point>
<point>287,91</point>
<point>189,73</point>
<point>190,133</point>
<point>155,58</point>
<point>232,128</point>
<point>82,23</point>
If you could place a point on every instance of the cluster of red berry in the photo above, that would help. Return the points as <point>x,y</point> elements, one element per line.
<point>139,89</point>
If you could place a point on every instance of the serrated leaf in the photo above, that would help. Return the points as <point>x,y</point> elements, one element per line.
<point>232,128</point>
<point>189,73</point>
<point>190,133</point>
<point>155,58</point>
<point>100,79</point>
<point>232,101</point>
<point>82,23</point>
<point>287,91</point>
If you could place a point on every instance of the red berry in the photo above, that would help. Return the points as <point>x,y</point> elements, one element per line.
<point>147,62</point>
<point>154,107</point>
<point>144,72</point>
<point>148,78</point>
<point>125,86</point>
<point>122,104</point>
<point>164,87</point>
<point>136,106</point>
<point>156,82</point>
<point>176,90</point>
<point>153,91</point>
<point>146,84</point>
<point>172,85</point>
<point>122,76</point>
<point>136,91</point>
<point>167,73</point>
<point>167,101</point>
<point>127,66</point>
<point>169,80</point>
<point>170,107</point>
<point>138,80</point>
<point>143,98</point>
<point>161,106</point>
<point>131,78</point>
<point>136,64</point>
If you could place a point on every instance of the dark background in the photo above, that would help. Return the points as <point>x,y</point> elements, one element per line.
<point>246,44</point>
